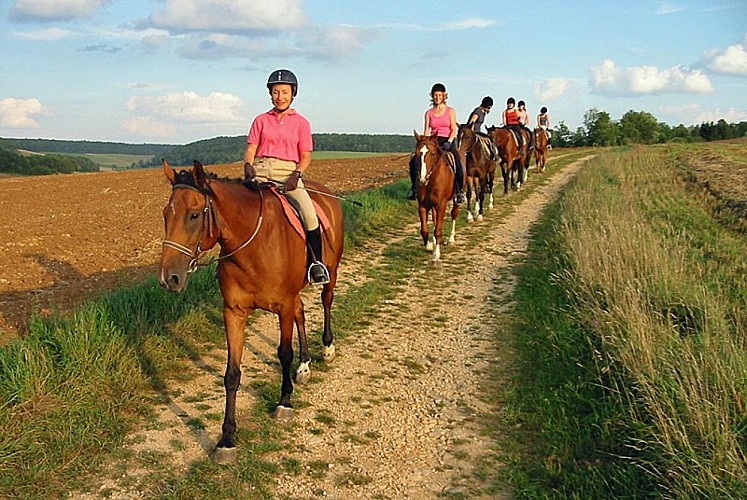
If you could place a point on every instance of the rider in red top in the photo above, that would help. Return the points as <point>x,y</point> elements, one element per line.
<point>511,120</point>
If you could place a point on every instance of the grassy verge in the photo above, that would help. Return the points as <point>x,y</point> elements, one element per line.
<point>630,325</point>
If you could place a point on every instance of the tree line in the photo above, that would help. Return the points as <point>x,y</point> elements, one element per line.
<point>640,127</point>
<point>12,162</point>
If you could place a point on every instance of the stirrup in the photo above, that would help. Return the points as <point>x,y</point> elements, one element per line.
<point>318,274</point>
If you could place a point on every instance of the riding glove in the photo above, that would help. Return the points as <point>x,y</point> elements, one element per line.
<point>249,171</point>
<point>446,146</point>
<point>292,181</point>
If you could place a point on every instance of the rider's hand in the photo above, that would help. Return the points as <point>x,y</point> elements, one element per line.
<point>446,146</point>
<point>292,181</point>
<point>249,171</point>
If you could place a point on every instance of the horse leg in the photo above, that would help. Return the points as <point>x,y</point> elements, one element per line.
<point>234,320</point>
<point>303,372</point>
<point>284,409</point>
<point>439,211</point>
<point>454,215</point>
<point>470,183</point>
<point>506,174</point>
<point>423,213</point>
<point>328,296</point>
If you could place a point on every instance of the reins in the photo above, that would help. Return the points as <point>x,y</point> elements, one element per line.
<point>210,219</point>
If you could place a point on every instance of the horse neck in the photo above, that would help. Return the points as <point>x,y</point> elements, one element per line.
<point>237,209</point>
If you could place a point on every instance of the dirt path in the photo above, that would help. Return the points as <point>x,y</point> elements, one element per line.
<point>400,412</point>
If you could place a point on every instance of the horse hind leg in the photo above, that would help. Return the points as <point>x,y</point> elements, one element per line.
<point>303,372</point>
<point>328,296</point>
<point>284,409</point>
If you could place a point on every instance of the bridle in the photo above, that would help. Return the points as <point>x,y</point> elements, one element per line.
<point>209,223</point>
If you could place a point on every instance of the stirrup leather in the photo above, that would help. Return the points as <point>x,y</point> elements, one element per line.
<point>322,272</point>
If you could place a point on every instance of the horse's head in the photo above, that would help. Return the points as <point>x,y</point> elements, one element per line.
<point>427,152</point>
<point>466,137</point>
<point>190,223</point>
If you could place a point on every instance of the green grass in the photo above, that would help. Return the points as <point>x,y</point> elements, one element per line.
<point>630,330</point>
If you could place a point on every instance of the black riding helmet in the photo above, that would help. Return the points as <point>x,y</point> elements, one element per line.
<point>283,76</point>
<point>511,100</point>
<point>543,110</point>
<point>521,103</point>
<point>438,87</point>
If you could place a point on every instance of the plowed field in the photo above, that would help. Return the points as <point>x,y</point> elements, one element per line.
<point>67,238</point>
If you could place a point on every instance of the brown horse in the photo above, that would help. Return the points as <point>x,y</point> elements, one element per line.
<point>540,148</point>
<point>511,158</point>
<point>262,265</point>
<point>480,168</point>
<point>435,190</point>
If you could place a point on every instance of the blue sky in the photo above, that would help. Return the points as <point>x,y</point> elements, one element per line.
<point>177,71</point>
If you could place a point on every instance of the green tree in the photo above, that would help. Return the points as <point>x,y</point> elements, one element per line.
<point>600,130</point>
<point>639,127</point>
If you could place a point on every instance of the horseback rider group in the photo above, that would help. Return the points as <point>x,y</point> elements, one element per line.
<point>439,120</point>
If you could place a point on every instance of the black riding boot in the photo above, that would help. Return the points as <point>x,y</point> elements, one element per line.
<point>459,179</point>
<point>413,179</point>
<point>317,273</point>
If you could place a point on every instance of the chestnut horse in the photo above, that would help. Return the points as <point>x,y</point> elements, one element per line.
<point>435,190</point>
<point>480,168</point>
<point>511,159</point>
<point>540,148</point>
<point>262,265</point>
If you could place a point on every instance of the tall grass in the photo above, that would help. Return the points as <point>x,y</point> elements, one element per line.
<point>645,386</point>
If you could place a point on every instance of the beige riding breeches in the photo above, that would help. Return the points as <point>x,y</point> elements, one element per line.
<point>273,169</point>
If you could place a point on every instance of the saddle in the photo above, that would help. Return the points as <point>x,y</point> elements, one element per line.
<point>290,209</point>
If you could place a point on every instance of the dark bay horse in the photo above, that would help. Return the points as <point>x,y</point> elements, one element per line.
<point>540,148</point>
<point>480,168</point>
<point>435,190</point>
<point>511,158</point>
<point>262,265</point>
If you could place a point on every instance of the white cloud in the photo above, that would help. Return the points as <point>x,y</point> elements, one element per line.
<point>731,115</point>
<point>149,127</point>
<point>54,10</point>
<point>609,79</point>
<point>45,34</point>
<point>334,43</point>
<point>469,23</point>
<point>552,88</point>
<point>190,107</point>
<point>229,15</point>
<point>18,113</point>
<point>731,61</point>
<point>666,8</point>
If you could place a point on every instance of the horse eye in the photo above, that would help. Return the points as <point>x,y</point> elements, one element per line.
<point>194,215</point>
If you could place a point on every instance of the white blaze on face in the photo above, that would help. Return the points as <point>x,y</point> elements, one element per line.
<point>423,151</point>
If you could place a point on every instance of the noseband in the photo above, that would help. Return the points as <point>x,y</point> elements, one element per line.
<point>209,221</point>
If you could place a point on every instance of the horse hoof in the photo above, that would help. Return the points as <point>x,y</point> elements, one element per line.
<point>469,217</point>
<point>479,218</point>
<point>223,456</point>
<point>303,374</point>
<point>429,246</point>
<point>328,353</point>
<point>282,413</point>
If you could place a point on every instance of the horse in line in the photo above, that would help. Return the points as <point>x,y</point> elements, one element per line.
<point>511,159</point>
<point>480,169</point>
<point>435,188</point>
<point>540,148</point>
<point>262,265</point>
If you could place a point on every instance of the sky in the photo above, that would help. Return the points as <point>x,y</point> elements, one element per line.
<point>178,71</point>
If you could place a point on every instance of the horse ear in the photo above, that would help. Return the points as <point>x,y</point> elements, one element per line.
<point>417,136</point>
<point>198,173</point>
<point>168,171</point>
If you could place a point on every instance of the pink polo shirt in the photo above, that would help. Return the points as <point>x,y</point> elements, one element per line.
<point>284,138</point>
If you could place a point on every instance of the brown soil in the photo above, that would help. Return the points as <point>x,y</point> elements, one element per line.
<point>68,238</point>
